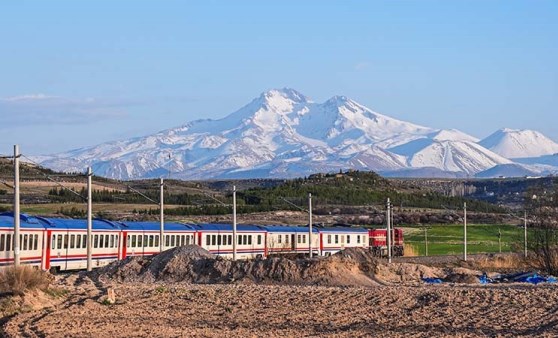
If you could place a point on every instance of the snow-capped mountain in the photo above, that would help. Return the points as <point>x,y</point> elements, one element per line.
<point>282,133</point>
<point>512,143</point>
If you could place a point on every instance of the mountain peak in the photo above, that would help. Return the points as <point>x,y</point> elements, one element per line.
<point>282,94</point>
<point>515,143</point>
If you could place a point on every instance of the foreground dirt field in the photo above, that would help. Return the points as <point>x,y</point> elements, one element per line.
<point>178,310</point>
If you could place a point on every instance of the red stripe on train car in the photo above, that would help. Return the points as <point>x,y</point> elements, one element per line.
<point>47,253</point>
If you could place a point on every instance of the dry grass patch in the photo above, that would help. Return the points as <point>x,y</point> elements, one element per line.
<point>17,281</point>
<point>409,250</point>
<point>501,262</point>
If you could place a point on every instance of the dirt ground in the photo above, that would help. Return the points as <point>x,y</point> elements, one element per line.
<point>345,295</point>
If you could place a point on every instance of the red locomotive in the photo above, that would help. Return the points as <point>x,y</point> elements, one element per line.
<point>378,242</point>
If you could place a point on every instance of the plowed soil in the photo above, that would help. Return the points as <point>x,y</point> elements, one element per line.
<point>189,293</point>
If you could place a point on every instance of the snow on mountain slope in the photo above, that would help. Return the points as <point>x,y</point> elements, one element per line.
<point>282,133</point>
<point>513,143</point>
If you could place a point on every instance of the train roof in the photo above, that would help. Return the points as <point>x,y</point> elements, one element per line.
<point>286,228</point>
<point>155,226</point>
<point>79,224</point>
<point>25,221</point>
<point>227,227</point>
<point>344,230</point>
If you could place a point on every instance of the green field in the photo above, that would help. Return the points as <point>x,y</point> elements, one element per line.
<point>448,239</point>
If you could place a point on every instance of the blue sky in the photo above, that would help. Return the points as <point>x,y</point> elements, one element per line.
<point>78,73</point>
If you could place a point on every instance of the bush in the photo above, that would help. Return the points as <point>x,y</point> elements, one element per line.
<point>24,278</point>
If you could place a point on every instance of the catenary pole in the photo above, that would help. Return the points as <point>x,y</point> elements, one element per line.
<point>465,231</point>
<point>234,224</point>
<point>162,215</point>
<point>310,224</point>
<point>16,205</point>
<point>388,238</point>
<point>89,221</point>
<point>425,241</point>
<point>525,233</point>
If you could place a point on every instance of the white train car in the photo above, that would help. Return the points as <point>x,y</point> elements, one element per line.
<point>218,239</point>
<point>336,239</point>
<point>31,240</point>
<point>291,239</point>
<point>67,243</point>
<point>142,238</point>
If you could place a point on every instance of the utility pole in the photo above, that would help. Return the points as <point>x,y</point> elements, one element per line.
<point>162,216</point>
<point>16,206</point>
<point>425,241</point>
<point>234,223</point>
<point>388,238</point>
<point>525,233</point>
<point>89,221</point>
<point>465,231</point>
<point>310,223</point>
<point>499,241</point>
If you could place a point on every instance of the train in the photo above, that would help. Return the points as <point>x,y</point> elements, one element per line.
<point>58,244</point>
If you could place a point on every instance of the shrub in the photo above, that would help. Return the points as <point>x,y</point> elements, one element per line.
<point>24,278</point>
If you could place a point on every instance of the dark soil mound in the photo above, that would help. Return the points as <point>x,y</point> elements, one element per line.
<point>192,264</point>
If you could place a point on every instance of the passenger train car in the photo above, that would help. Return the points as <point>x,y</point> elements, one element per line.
<point>60,244</point>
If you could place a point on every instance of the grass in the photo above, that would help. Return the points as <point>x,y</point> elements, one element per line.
<point>448,239</point>
<point>17,281</point>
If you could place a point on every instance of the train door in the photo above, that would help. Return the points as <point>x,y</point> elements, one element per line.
<point>47,247</point>
<point>123,243</point>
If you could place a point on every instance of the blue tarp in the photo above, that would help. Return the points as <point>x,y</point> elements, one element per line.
<point>432,280</point>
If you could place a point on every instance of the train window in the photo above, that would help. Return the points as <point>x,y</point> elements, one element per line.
<point>218,239</point>
<point>36,242</point>
<point>24,242</point>
<point>348,239</point>
<point>78,241</point>
<point>72,241</point>
<point>84,241</point>
<point>140,241</point>
<point>207,241</point>
<point>303,238</point>
<point>213,240</point>
<point>133,244</point>
<point>167,240</point>
<point>259,239</point>
<point>328,239</point>
<point>287,239</point>
<point>172,240</point>
<point>249,240</point>
<point>128,241</point>
<point>230,240</point>
<point>53,242</point>
<point>151,241</point>
<point>59,242</point>
<point>239,241</point>
<point>245,239</point>
<point>157,241</point>
<point>8,242</point>
<point>65,241</point>
<point>2,242</point>
<point>111,241</point>
<point>279,239</point>
<point>298,239</point>
<point>102,241</point>
<point>358,239</point>
<point>336,239</point>
<point>188,240</point>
